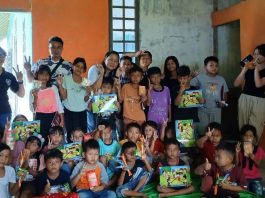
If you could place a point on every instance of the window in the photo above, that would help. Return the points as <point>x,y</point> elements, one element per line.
<point>124,25</point>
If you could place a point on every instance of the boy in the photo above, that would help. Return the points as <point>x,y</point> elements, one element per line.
<point>159,100</point>
<point>77,135</point>
<point>133,101</point>
<point>89,176</point>
<point>222,179</point>
<point>214,90</point>
<point>134,174</point>
<point>122,72</point>
<point>53,179</point>
<point>172,152</point>
<point>210,141</point>
<point>184,78</point>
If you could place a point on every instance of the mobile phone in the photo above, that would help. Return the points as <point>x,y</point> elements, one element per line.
<point>246,60</point>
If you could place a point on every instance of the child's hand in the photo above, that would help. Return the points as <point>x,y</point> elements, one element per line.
<point>125,168</point>
<point>182,87</point>
<point>225,185</point>
<point>59,79</point>
<point>209,133</point>
<point>84,169</point>
<point>164,124</point>
<point>202,100</point>
<point>195,73</point>
<point>143,98</point>
<point>207,165</point>
<point>101,127</point>
<point>97,188</point>
<point>138,53</point>
<point>7,125</point>
<point>47,187</point>
<point>238,147</point>
<point>50,144</point>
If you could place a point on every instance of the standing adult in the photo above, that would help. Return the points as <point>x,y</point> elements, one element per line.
<point>56,63</point>
<point>251,104</point>
<point>8,80</point>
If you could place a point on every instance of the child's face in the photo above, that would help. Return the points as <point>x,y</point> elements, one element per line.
<point>136,77</point>
<point>77,136</point>
<point>248,137</point>
<point>33,146</point>
<point>172,151</point>
<point>130,155</point>
<point>223,158</point>
<point>216,137</point>
<point>53,165</point>
<point>112,62</point>
<point>56,138</point>
<point>171,65</point>
<point>55,49</point>
<point>169,133</point>
<point>212,67</point>
<point>92,156</point>
<point>106,88</point>
<point>4,157</point>
<point>133,134</point>
<point>145,61</point>
<point>44,77</point>
<point>149,132</point>
<point>106,134</point>
<point>20,119</point>
<point>79,68</point>
<point>184,80</point>
<point>155,79</point>
<point>126,64</point>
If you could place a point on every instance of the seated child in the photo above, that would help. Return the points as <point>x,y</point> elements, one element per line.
<point>167,131</point>
<point>154,146</point>
<point>135,172</point>
<point>30,159</point>
<point>210,141</point>
<point>89,177</point>
<point>172,152</point>
<point>77,135</point>
<point>53,180</point>
<point>222,178</point>
<point>249,158</point>
<point>55,137</point>
<point>8,184</point>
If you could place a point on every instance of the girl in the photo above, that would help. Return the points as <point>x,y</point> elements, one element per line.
<point>74,91</point>
<point>154,146</point>
<point>251,104</point>
<point>32,164</point>
<point>8,184</point>
<point>170,72</point>
<point>249,158</point>
<point>95,76</point>
<point>167,131</point>
<point>45,101</point>
<point>55,137</point>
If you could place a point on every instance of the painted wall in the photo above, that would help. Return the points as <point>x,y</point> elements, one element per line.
<point>83,25</point>
<point>251,15</point>
<point>177,27</point>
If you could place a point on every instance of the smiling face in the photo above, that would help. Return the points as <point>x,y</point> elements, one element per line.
<point>149,132</point>
<point>78,68</point>
<point>44,77</point>
<point>56,139</point>
<point>145,61</point>
<point>249,137</point>
<point>92,156</point>
<point>216,137</point>
<point>133,134</point>
<point>112,62</point>
<point>258,58</point>
<point>171,66</point>
<point>55,49</point>
<point>4,157</point>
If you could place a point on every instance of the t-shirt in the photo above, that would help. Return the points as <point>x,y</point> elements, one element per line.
<point>171,84</point>
<point>10,177</point>
<point>250,87</point>
<point>75,95</point>
<point>208,151</point>
<point>108,150</point>
<point>185,113</point>
<point>158,147</point>
<point>110,117</point>
<point>63,180</point>
<point>136,170</point>
<point>131,103</point>
<point>7,80</point>
<point>255,172</point>
<point>160,104</point>
<point>213,90</point>
<point>99,170</point>
<point>64,68</point>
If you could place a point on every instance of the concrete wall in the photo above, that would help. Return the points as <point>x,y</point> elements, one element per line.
<point>177,27</point>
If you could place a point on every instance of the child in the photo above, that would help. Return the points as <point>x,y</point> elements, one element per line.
<point>122,73</point>
<point>74,91</point>
<point>210,141</point>
<point>214,90</point>
<point>140,172</point>
<point>8,184</point>
<point>172,152</point>
<point>132,100</point>
<point>89,176</point>
<point>249,158</point>
<point>154,146</point>
<point>45,101</point>
<point>77,135</point>
<point>159,101</point>
<point>184,78</point>
<point>167,131</point>
<point>170,72</point>
<point>55,137</point>
<point>53,180</point>
<point>223,179</point>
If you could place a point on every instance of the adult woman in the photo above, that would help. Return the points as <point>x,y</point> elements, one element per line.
<point>251,104</point>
